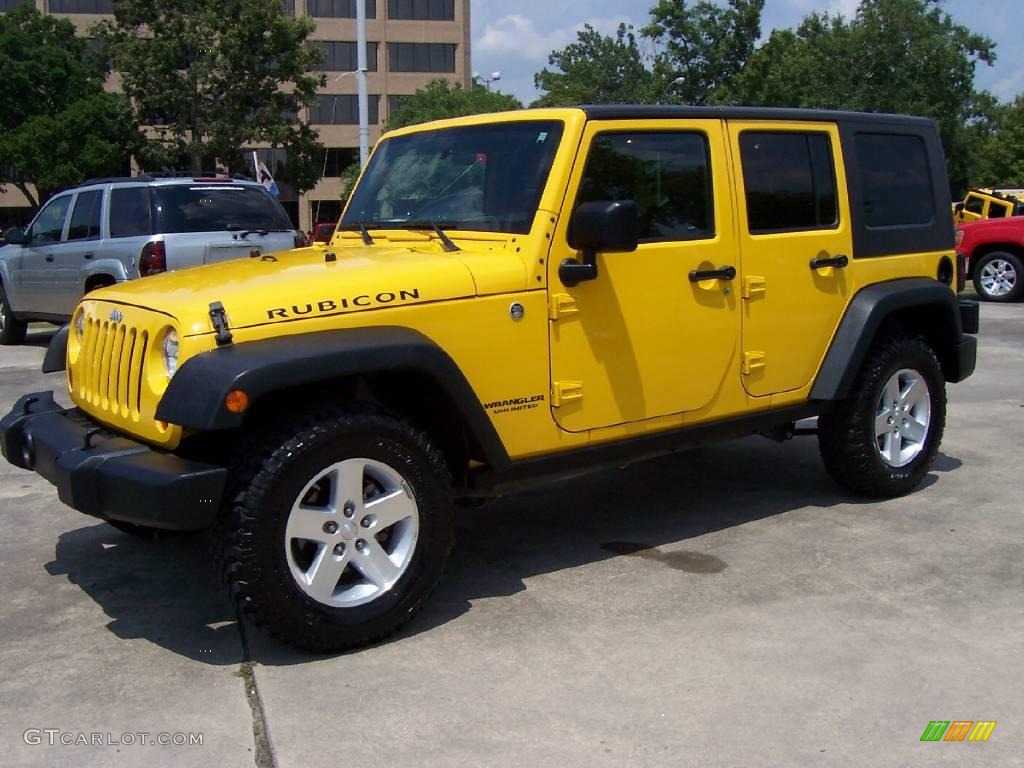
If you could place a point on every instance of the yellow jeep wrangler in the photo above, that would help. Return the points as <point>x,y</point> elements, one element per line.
<point>511,297</point>
<point>989,204</point>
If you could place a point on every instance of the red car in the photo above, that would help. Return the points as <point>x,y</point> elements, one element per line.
<point>994,253</point>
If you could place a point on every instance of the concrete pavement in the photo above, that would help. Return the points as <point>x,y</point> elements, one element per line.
<point>722,607</point>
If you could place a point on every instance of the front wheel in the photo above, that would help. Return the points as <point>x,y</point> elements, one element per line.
<point>12,331</point>
<point>999,276</point>
<point>342,531</point>
<point>881,440</point>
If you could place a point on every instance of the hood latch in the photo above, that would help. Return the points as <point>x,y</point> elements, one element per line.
<point>219,318</point>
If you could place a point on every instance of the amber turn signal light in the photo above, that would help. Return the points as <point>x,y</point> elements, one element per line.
<point>236,401</point>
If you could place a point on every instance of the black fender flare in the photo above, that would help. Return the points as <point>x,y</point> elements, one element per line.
<point>194,399</point>
<point>865,315</point>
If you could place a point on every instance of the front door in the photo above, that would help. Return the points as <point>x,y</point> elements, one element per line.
<point>81,247</point>
<point>643,340</point>
<point>39,257</point>
<point>795,237</point>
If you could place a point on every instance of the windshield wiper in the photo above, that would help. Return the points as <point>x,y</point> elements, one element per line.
<point>446,241</point>
<point>361,228</point>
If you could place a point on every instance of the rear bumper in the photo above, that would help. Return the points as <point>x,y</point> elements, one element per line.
<point>105,475</point>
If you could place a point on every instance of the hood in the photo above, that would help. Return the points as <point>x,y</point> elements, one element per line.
<point>317,281</point>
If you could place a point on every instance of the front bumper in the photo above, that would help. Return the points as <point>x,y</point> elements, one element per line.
<point>106,475</point>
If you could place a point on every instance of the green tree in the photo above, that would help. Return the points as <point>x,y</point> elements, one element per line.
<point>211,76</point>
<point>901,56</point>
<point>57,126</point>
<point>1001,157</point>
<point>701,47</point>
<point>440,99</point>
<point>596,69</point>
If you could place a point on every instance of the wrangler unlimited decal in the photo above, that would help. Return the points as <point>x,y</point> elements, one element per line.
<point>514,404</point>
<point>334,305</point>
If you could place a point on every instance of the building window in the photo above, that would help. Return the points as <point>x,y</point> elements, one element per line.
<point>10,5</point>
<point>344,56</point>
<point>339,9</point>
<point>337,159</point>
<point>395,103</point>
<point>81,6</point>
<point>422,10</point>
<point>421,57</point>
<point>289,7</point>
<point>341,109</point>
<point>789,180</point>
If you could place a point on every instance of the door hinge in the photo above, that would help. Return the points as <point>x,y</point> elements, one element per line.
<point>564,391</point>
<point>561,304</point>
<point>753,286</point>
<point>753,361</point>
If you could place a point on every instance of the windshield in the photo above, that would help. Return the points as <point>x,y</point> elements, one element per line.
<point>217,207</point>
<point>481,177</point>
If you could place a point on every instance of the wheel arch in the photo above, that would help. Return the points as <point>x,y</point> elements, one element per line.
<point>916,306</point>
<point>398,368</point>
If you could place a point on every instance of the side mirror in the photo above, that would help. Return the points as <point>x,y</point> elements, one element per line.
<point>15,236</point>
<point>607,225</point>
<point>958,207</point>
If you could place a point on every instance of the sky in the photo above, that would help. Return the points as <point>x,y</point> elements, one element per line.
<point>516,38</point>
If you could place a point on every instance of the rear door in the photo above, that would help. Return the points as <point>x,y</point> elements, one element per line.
<point>643,340</point>
<point>795,238</point>
<point>81,247</point>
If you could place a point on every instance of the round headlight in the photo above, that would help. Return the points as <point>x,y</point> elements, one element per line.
<point>170,351</point>
<point>80,325</point>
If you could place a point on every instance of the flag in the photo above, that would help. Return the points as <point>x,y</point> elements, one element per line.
<point>263,175</point>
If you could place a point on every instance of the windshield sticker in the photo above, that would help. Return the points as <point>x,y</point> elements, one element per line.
<point>328,306</point>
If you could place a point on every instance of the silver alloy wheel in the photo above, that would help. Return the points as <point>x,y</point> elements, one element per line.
<point>998,277</point>
<point>902,418</point>
<point>351,533</point>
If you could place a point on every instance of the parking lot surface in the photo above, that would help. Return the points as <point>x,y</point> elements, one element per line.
<point>727,606</point>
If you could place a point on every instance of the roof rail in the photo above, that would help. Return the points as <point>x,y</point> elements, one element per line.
<point>113,180</point>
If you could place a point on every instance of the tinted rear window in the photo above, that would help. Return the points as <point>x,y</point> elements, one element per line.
<point>216,208</point>
<point>85,218</point>
<point>130,212</point>
<point>895,179</point>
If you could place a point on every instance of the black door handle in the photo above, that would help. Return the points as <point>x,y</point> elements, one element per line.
<point>49,258</point>
<point>839,261</point>
<point>88,256</point>
<point>722,273</point>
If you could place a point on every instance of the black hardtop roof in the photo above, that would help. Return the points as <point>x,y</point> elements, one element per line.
<point>667,112</point>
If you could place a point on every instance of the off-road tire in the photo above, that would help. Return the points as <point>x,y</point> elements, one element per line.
<point>1012,262</point>
<point>846,436</point>
<point>252,529</point>
<point>12,331</point>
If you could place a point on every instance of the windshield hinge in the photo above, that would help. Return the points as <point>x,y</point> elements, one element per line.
<point>561,304</point>
<point>219,318</point>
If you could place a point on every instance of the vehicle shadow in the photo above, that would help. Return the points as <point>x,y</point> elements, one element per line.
<point>165,591</point>
<point>39,338</point>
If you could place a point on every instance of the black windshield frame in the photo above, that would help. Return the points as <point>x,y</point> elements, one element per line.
<point>488,177</point>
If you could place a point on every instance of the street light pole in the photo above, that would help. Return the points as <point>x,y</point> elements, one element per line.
<point>364,99</point>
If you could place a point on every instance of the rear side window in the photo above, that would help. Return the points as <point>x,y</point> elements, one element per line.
<point>895,180</point>
<point>998,211</point>
<point>85,218</point>
<point>668,175</point>
<point>789,180</point>
<point>130,212</point>
<point>217,208</point>
<point>975,204</point>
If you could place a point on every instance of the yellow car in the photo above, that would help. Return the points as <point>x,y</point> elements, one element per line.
<point>508,298</point>
<point>989,204</point>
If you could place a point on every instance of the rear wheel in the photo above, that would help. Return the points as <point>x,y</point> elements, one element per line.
<point>882,439</point>
<point>341,531</point>
<point>999,276</point>
<point>12,331</point>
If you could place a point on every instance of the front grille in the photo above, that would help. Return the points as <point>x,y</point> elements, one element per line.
<point>110,368</point>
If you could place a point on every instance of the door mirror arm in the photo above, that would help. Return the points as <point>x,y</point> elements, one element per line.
<point>572,272</point>
<point>607,225</point>
<point>15,236</point>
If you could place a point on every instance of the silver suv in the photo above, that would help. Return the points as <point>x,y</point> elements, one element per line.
<point>109,230</point>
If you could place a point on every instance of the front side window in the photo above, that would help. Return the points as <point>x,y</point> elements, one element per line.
<point>481,177</point>
<point>895,180</point>
<point>217,208</point>
<point>975,204</point>
<point>789,180</point>
<point>49,224</point>
<point>85,219</point>
<point>667,175</point>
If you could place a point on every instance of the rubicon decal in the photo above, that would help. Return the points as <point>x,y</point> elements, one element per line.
<point>328,306</point>
<point>514,404</point>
